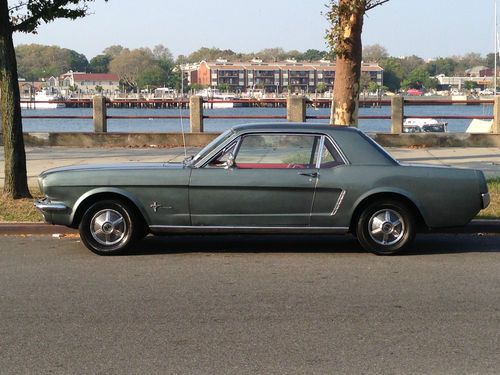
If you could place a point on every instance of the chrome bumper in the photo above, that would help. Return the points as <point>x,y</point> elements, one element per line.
<point>485,200</point>
<point>45,206</point>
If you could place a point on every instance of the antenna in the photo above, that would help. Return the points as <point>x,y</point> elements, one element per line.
<point>180,112</point>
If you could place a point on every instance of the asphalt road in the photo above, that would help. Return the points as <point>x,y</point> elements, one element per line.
<point>250,305</point>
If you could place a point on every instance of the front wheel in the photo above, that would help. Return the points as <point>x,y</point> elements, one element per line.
<point>108,227</point>
<point>386,227</point>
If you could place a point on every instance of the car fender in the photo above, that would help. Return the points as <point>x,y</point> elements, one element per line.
<point>110,190</point>
<point>391,190</point>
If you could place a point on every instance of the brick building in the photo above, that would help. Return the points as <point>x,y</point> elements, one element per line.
<point>290,75</point>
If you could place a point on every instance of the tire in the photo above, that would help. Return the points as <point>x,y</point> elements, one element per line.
<point>108,227</point>
<point>386,227</point>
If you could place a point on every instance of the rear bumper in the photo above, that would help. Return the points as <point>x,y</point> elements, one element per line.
<point>485,200</point>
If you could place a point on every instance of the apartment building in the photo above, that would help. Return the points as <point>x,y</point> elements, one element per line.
<point>290,75</point>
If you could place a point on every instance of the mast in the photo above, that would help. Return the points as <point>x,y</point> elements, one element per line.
<point>496,51</point>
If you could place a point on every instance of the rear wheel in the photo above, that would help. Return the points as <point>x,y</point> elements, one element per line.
<point>386,227</point>
<point>108,227</point>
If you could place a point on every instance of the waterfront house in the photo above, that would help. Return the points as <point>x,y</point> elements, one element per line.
<point>90,83</point>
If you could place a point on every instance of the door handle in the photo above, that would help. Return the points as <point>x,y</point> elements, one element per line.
<point>309,174</point>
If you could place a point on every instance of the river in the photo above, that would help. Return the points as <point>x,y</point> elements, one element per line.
<point>217,125</point>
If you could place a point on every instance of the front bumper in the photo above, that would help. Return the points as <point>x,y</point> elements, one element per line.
<point>47,208</point>
<point>485,200</point>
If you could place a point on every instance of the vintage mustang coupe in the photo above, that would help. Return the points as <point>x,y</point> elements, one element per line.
<point>273,178</point>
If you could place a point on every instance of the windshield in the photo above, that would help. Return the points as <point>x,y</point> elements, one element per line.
<point>216,142</point>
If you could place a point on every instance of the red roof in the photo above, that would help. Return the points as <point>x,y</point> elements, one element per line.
<point>96,77</point>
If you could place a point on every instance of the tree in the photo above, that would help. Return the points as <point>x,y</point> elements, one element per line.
<point>410,63</point>
<point>22,16</point>
<point>321,87</point>
<point>114,50</point>
<point>160,52</point>
<point>418,79</point>
<point>490,60</point>
<point>210,54</point>
<point>35,61</point>
<point>100,64</point>
<point>140,68</point>
<point>441,65</point>
<point>470,85</point>
<point>313,55</point>
<point>344,38</point>
<point>374,53</point>
<point>272,54</point>
<point>393,73</point>
<point>152,77</point>
<point>129,65</point>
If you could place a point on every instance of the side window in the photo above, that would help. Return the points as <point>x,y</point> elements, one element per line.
<point>277,151</point>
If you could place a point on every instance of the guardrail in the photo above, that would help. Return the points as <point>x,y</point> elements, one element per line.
<point>295,110</point>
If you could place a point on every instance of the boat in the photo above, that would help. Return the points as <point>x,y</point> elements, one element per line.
<point>43,100</point>
<point>480,126</point>
<point>217,99</point>
<point>424,125</point>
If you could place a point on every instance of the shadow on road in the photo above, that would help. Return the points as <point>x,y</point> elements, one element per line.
<point>425,244</point>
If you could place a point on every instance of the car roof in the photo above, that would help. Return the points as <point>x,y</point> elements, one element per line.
<point>293,126</point>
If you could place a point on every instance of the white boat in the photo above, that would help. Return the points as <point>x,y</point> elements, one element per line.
<point>424,125</point>
<point>480,126</point>
<point>218,99</point>
<point>43,100</point>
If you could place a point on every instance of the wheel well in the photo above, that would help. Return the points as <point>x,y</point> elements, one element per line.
<point>420,222</point>
<point>87,202</point>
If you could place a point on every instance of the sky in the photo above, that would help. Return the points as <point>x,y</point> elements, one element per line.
<point>426,28</point>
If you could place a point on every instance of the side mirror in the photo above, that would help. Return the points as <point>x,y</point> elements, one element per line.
<point>229,162</point>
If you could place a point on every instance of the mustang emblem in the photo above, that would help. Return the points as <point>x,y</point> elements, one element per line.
<point>156,206</point>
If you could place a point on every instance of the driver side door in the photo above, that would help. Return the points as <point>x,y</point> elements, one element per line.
<point>260,180</point>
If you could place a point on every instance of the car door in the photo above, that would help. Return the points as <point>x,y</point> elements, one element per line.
<point>270,182</point>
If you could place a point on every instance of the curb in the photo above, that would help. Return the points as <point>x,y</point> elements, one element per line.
<point>34,228</point>
<point>475,226</point>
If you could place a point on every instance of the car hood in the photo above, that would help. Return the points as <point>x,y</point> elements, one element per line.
<point>112,167</point>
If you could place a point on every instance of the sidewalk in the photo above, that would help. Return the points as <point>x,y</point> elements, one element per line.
<point>42,158</point>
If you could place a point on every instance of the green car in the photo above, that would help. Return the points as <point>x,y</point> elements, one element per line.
<point>272,178</point>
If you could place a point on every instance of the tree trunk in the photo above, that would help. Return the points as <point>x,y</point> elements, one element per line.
<point>348,65</point>
<point>16,181</point>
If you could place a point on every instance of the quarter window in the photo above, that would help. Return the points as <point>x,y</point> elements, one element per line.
<point>330,157</point>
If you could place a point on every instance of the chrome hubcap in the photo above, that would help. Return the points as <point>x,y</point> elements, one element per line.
<point>386,227</point>
<point>108,227</point>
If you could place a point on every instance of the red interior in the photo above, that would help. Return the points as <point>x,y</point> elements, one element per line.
<point>268,166</point>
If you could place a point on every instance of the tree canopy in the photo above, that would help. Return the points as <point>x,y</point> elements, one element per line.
<point>35,61</point>
<point>143,67</point>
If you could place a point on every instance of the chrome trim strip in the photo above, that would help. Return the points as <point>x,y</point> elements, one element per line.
<point>202,162</point>
<point>320,152</point>
<point>44,206</point>
<point>245,229</point>
<point>485,200</point>
<point>339,202</point>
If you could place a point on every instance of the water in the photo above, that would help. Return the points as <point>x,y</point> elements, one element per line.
<point>217,125</point>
